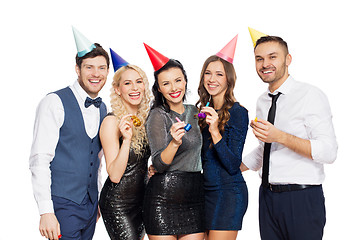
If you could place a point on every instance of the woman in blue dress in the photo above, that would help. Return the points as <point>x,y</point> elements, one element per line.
<point>224,131</point>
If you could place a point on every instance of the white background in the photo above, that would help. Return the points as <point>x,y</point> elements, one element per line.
<point>38,57</point>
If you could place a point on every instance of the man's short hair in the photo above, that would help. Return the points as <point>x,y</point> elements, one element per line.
<point>272,39</point>
<point>97,51</point>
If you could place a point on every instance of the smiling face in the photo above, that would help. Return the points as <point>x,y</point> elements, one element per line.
<point>272,63</point>
<point>215,81</point>
<point>92,75</point>
<point>172,85</point>
<point>131,88</point>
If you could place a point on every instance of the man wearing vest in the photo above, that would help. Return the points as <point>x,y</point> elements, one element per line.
<point>66,150</point>
<point>294,126</point>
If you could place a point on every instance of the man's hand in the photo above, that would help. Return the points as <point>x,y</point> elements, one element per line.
<point>265,131</point>
<point>49,226</point>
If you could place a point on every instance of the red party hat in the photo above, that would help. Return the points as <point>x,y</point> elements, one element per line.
<point>228,52</point>
<point>157,59</point>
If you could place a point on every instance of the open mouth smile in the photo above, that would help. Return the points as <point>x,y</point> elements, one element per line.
<point>175,95</point>
<point>267,71</point>
<point>134,96</point>
<point>94,81</point>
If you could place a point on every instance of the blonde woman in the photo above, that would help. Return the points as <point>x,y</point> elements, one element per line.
<point>126,154</point>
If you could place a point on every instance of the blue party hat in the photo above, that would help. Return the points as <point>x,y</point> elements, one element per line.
<point>83,45</point>
<point>117,61</point>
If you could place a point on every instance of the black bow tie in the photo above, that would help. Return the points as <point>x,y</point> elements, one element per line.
<point>97,101</point>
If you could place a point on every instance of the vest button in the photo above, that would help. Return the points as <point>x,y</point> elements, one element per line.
<point>90,175</point>
<point>91,163</point>
<point>91,152</point>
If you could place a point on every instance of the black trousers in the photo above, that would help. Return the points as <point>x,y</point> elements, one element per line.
<point>294,215</point>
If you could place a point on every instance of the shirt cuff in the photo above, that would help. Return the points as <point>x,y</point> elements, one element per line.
<point>249,163</point>
<point>45,207</point>
<point>322,152</point>
<point>253,160</point>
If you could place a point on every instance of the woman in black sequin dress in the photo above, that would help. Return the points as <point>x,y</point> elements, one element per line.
<point>174,197</point>
<point>126,154</point>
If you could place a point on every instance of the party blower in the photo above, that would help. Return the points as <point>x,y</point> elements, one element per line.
<point>136,121</point>
<point>201,114</point>
<point>187,127</point>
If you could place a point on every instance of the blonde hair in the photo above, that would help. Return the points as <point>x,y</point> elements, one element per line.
<point>139,138</point>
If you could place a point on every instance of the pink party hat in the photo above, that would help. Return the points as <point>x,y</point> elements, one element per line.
<point>228,52</point>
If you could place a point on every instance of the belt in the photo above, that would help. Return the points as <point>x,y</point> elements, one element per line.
<point>289,187</point>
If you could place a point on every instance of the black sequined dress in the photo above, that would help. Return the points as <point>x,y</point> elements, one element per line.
<point>174,197</point>
<point>121,203</point>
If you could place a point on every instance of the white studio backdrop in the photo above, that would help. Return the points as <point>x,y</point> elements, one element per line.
<point>38,57</point>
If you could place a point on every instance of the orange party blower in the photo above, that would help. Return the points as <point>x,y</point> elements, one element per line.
<point>136,121</point>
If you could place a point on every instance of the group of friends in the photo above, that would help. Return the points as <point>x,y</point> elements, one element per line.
<point>194,189</point>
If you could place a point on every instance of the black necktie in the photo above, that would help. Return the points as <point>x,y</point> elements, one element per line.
<point>267,147</point>
<point>97,102</point>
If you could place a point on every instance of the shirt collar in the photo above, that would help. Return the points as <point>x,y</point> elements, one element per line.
<point>80,91</point>
<point>285,87</point>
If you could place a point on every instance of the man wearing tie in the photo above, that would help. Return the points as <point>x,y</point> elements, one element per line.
<point>66,149</point>
<point>294,126</point>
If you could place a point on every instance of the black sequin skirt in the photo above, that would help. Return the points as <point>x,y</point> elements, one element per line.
<point>121,209</point>
<point>174,204</point>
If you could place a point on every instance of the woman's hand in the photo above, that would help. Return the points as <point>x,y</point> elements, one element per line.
<point>125,127</point>
<point>212,119</point>
<point>151,171</point>
<point>177,132</point>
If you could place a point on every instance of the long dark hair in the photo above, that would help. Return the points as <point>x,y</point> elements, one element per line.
<point>159,99</point>
<point>229,98</point>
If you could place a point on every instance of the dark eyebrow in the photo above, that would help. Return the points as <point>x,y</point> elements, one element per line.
<point>91,65</point>
<point>272,53</point>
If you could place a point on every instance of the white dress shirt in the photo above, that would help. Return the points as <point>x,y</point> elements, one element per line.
<point>302,110</point>
<point>48,121</point>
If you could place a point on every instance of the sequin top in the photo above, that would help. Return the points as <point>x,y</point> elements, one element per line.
<point>221,162</point>
<point>188,155</point>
